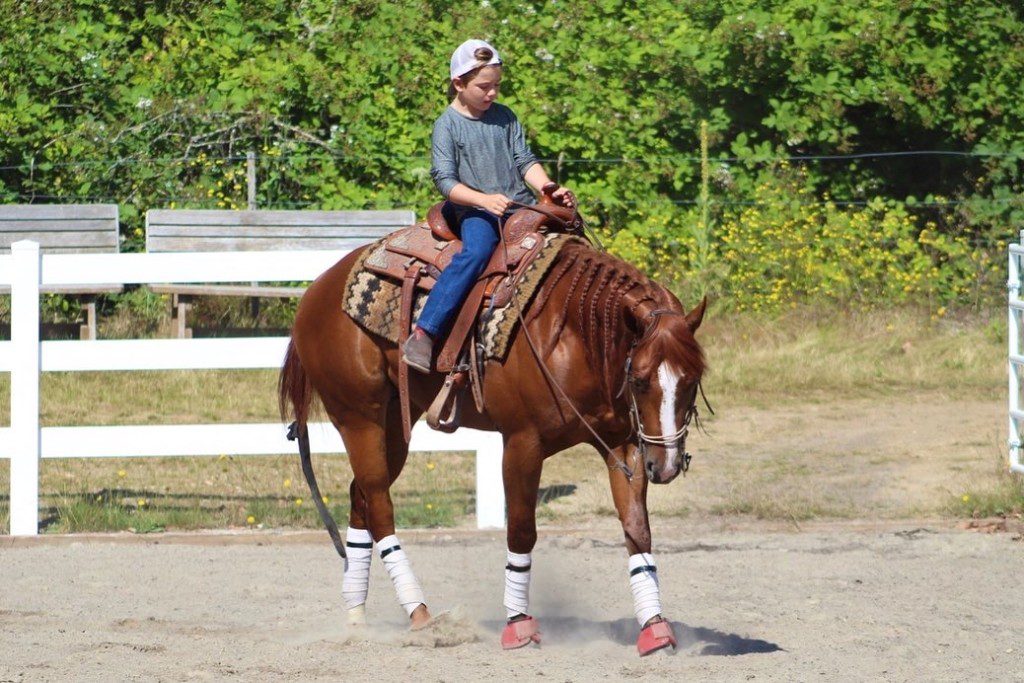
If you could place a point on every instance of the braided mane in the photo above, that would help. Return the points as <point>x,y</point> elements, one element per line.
<point>595,302</point>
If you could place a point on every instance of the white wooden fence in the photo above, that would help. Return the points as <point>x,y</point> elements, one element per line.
<point>1015,357</point>
<point>24,442</point>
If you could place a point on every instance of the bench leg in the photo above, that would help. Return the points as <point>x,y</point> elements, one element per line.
<point>88,330</point>
<point>179,313</point>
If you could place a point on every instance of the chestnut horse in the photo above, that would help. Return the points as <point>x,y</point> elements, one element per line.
<point>603,356</point>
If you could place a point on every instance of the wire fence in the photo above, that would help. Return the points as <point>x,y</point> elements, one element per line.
<point>31,164</point>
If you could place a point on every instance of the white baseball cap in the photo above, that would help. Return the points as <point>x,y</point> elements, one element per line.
<point>463,60</point>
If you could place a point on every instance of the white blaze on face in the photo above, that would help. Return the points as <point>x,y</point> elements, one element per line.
<point>669,381</point>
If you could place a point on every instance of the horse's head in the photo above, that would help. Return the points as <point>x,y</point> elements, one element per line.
<point>662,381</point>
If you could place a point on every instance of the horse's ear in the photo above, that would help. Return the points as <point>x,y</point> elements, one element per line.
<point>694,317</point>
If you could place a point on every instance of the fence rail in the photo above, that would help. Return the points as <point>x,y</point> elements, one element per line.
<point>25,357</point>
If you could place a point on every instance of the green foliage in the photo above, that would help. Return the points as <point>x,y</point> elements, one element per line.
<point>155,105</point>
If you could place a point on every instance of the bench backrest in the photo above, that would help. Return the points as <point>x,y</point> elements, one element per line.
<point>61,228</point>
<point>185,230</point>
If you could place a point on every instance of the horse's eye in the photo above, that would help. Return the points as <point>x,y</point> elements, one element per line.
<point>639,384</point>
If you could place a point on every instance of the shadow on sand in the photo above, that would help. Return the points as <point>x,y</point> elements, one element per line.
<point>625,631</point>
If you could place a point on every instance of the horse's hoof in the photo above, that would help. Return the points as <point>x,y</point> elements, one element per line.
<point>520,633</point>
<point>420,618</point>
<point>655,637</point>
<point>357,616</point>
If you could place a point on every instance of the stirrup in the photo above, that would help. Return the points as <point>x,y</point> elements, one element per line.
<point>520,633</point>
<point>446,410</point>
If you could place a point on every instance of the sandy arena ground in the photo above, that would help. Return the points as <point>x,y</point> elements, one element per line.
<point>848,601</point>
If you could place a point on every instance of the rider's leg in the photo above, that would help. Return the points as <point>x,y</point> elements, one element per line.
<point>479,234</point>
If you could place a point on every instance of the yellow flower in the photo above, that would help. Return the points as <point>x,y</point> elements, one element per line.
<point>122,474</point>
<point>287,483</point>
<point>250,520</point>
<point>429,506</point>
<point>966,498</point>
<point>143,502</point>
<point>431,465</point>
<point>298,501</point>
<point>325,499</point>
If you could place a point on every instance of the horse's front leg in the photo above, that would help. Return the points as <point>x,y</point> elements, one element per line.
<point>630,496</point>
<point>521,467</point>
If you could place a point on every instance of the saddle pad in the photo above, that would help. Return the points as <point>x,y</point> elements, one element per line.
<point>373,301</point>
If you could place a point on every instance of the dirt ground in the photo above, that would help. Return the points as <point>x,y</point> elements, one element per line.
<point>854,601</point>
<point>890,457</point>
<point>886,589</point>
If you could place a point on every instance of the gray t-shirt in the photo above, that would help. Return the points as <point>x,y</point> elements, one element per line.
<point>488,154</point>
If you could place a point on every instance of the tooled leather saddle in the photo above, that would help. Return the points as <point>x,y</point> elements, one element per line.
<point>416,256</point>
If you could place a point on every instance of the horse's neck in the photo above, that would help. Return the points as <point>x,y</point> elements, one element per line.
<point>606,324</point>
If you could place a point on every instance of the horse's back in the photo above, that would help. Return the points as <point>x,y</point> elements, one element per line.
<point>320,316</point>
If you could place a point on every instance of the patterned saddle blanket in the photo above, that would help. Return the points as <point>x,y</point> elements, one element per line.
<point>373,292</point>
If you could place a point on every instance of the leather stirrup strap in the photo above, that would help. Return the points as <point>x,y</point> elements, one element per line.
<point>463,323</point>
<point>412,276</point>
<point>476,380</point>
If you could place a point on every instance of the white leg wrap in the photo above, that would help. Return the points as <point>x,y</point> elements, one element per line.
<point>410,595</point>
<point>643,581</point>
<point>356,584</point>
<point>517,584</point>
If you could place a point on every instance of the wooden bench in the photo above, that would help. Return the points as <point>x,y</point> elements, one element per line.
<point>65,229</point>
<point>186,230</point>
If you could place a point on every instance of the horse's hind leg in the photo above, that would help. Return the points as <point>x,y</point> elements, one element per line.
<point>377,454</point>
<point>355,585</point>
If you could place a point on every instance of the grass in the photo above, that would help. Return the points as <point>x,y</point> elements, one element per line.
<point>801,359</point>
<point>806,355</point>
<point>999,495</point>
<point>151,494</point>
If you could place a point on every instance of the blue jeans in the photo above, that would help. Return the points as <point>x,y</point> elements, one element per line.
<point>479,234</point>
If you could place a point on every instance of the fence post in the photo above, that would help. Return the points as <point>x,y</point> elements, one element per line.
<point>490,492</point>
<point>25,437</point>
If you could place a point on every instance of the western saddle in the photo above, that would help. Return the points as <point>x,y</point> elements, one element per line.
<point>416,256</point>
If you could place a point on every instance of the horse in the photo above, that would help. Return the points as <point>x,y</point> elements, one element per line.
<point>603,356</point>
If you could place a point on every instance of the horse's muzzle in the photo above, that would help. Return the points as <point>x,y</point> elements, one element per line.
<point>663,474</point>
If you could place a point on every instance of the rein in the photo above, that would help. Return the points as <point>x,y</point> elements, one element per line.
<point>643,438</point>
<point>618,462</point>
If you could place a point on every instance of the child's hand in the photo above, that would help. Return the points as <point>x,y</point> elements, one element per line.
<point>497,204</point>
<point>564,197</point>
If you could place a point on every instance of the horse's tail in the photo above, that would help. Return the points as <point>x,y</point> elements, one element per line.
<point>294,391</point>
<point>294,387</point>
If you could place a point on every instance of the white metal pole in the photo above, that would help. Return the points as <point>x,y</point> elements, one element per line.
<point>490,491</point>
<point>25,436</point>
<point>1013,353</point>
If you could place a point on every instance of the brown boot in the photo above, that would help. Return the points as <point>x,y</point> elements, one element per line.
<point>418,351</point>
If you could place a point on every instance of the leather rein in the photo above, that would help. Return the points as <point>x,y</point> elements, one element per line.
<point>643,438</point>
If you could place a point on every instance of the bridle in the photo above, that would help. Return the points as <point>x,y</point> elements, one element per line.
<point>645,439</point>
